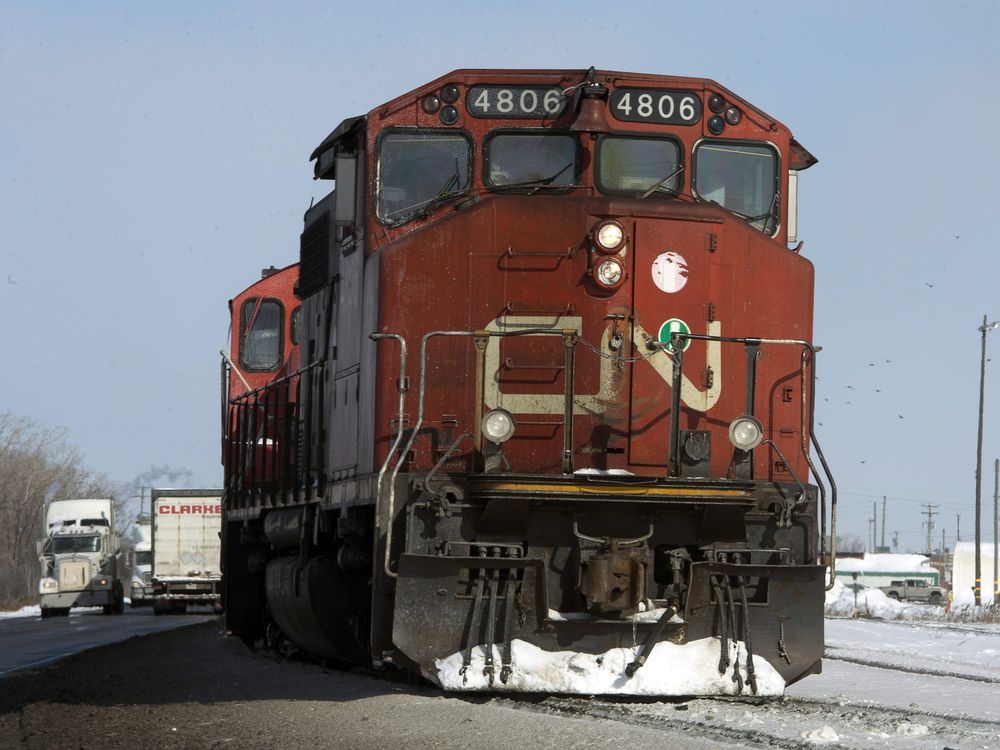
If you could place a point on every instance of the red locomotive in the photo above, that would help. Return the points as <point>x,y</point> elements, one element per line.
<point>554,398</point>
<point>266,319</point>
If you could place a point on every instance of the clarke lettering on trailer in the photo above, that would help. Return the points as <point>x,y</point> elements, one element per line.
<point>208,510</point>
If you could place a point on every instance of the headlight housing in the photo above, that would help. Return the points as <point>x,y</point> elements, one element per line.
<point>609,237</point>
<point>48,584</point>
<point>498,425</point>
<point>746,432</point>
<point>609,273</point>
<point>136,584</point>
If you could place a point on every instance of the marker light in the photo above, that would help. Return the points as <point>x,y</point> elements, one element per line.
<point>716,103</point>
<point>610,236</point>
<point>609,272</point>
<point>449,115</point>
<point>734,115</point>
<point>716,125</point>
<point>430,104</point>
<point>498,425</point>
<point>449,94</point>
<point>746,432</point>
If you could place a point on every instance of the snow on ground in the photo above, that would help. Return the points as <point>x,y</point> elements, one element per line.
<point>672,669</point>
<point>949,668</point>
<point>32,610</point>
<point>840,602</point>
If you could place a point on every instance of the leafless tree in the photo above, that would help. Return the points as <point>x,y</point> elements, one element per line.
<point>37,466</point>
<point>850,543</point>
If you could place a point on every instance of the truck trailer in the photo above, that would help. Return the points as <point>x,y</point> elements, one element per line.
<point>80,558</point>
<point>187,549</point>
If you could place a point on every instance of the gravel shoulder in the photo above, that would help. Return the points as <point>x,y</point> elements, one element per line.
<point>194,688</point>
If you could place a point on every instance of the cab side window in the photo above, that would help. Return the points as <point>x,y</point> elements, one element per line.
<point>260,334</point>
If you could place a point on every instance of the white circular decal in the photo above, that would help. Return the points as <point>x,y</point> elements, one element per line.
<point>670,272</point>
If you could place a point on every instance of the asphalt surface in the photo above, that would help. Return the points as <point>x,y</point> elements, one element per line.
<point>31,642</point>
<point>195,688</point>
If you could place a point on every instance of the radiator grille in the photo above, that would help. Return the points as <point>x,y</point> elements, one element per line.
<point>74,575</point>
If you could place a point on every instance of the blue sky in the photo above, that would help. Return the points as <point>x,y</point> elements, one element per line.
<point>153,157</point>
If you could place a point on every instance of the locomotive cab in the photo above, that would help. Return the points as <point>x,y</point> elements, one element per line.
<point>555,395</point>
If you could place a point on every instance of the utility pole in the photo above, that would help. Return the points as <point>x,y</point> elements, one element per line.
<point>958,525</point>
<point>996,526</point>
<point>895,541</point>
<point>870,544</point>
<point>943,548</point>
<point>874,525</point>
<point>883,522</point>
<point>929,523</point>
<point>983,329</point>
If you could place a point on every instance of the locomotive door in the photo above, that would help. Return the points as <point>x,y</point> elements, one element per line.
<point>672,273</point>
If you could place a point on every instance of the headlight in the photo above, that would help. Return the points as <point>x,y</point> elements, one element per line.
<point>610,236</point>
<point>136,584</point>
<point>746,432</point>
<point>609,272</point>
<point>48,584</point>
<point>498,425</point>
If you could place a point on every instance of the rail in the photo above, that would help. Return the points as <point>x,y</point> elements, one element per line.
<point>675,349</point>
<point>267,455</point>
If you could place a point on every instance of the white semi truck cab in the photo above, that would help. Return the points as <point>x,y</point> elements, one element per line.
<point>141,587</point>
<point>80,558</point>
<point>187,549</point>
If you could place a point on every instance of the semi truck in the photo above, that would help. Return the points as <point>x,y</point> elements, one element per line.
<point>187,549</point>
<point>141,588</point>
<point>80,558</point>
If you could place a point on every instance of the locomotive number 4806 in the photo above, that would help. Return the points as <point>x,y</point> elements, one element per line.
<point>656,105</point>
<point>515,101</point>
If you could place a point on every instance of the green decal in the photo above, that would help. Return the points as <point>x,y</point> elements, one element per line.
<point>674,325</point>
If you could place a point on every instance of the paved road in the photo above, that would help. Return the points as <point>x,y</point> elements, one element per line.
<point>30,642</point>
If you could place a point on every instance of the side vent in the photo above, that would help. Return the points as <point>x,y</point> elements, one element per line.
<point>314,256</point>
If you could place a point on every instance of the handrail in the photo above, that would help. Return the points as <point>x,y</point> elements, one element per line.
<point>395,445</point>
<point>808,421</point>
<point>422,390</point>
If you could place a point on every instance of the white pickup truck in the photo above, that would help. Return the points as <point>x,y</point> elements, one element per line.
<point>914,590</point>
<point>187,549</point>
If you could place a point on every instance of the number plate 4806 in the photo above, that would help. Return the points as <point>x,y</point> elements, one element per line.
<point>656,105</point>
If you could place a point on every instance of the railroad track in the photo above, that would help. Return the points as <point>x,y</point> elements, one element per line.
<point>785,722</point>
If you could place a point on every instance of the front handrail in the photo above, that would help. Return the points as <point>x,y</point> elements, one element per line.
<point>807,412</point>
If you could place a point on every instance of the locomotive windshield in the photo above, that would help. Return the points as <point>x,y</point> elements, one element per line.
<point>418,167</point>
<point>531,160</point>
<point>741,178</point>
<point>260,334</point>
<point>144,558</point>
<point>629,166</point>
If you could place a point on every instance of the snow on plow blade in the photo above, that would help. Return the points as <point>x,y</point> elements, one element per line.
<point>497,632</point>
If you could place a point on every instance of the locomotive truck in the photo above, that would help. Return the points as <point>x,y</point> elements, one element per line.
<point>552,406</point>
<point>80,558</point>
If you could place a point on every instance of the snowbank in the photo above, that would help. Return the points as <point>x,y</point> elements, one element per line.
<point>882,569</point>
<point>32,610</point>
<point>672,669</point>
<point>871,603</point>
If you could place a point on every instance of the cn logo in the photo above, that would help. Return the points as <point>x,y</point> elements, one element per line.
<point>672,326</point>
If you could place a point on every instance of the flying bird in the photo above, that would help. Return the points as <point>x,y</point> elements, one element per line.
<point>928,284</point>
<point>900,416</point>
<point>850,386</point>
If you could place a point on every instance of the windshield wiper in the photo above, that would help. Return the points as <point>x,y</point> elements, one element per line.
<point>658,185</point>
<point>444,194</point>
<point>537,185</point>
<point>769,215</point>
